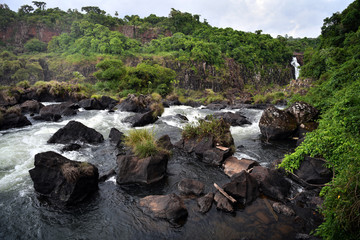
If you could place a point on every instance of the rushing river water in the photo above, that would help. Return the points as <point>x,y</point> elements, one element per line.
<point>113,212</point>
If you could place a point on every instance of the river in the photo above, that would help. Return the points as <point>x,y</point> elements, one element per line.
<point>113,212</point>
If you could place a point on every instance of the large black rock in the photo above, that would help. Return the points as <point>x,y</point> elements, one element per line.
<point>141,119</point>
<point>141,170</point>
<point>13,120</point>
<point>234,119</point>
<point>277,124</point>
<point>75,131</point>
<point>243,187</point>
<point>314,171</point>
<point>54,112</point>
<point>63,181</point>
<point>272,183</point>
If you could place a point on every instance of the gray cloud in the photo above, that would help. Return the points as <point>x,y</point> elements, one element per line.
<point>297,18</point>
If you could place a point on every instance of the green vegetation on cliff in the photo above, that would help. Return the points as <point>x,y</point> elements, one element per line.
<point>336,67</point>
<point>208,57</point>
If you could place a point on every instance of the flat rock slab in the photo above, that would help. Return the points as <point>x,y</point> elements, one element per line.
<point>233,165</point>
<point>169,207</point>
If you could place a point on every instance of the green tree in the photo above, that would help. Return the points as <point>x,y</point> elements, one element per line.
<point>35,45</point>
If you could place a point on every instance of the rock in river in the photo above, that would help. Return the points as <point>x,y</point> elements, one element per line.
<point>141,170</point>
<point>76,131</point>
<point>61,180</point>
<point>169,207</point>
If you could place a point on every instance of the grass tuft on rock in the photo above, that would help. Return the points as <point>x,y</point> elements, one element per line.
<point>142,142</point>
<point>217,128</point>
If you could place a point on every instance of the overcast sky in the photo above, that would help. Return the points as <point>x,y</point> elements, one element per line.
<point>297,18</point>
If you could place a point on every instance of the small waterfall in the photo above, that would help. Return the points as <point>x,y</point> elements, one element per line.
<point>296,65</point>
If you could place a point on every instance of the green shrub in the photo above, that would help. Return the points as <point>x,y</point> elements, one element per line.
<point>35,45</point>
<point>23,84</point>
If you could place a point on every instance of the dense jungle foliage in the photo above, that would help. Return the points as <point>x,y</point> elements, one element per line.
<point>95,35</point>
<point>336,66</point>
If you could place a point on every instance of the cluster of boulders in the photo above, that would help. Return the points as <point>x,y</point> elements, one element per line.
<point>67,182</point>
<point>14,107</point>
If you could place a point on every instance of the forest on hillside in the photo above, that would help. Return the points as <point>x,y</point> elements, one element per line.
<point>206,55</point>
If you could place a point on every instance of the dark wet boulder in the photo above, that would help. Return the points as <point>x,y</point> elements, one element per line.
<point>169,207</point>
<point>204,203</point>
<point>116,137</point>
<point>222,203</point>
<point>272,183</point>
<point>31,107</point>
<point>147,170</point>
<point>216,106</point>
<point>233,165</point>
<point>303,112</point>
<point>215,156</point>
<point>91,104</point>
<point>101,103</point>
<point>165,142</point>
<point>192,103</point>
<point>75,131</point>
<point>107,102</point>
<point>71,147</point>
<point>138,104</point>
<point>13,119</point>
<point>277,124</point>
<point>54,112</point>
<point>313,171</point>
<point>283,209</point>
<point>61,180</point>
<point>191,187</point>
<point>234,119</point>
<point>141,119</point>
<point>243,187</point>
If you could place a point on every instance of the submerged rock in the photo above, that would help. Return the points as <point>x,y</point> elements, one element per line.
<point>205,202</point>
<point>76,131</point>
<point>61,180</point>
<point>191,187</point>
<point>71,147</point>
<point>169,207</point>
<point>283,209</point>
<point>141,170</point>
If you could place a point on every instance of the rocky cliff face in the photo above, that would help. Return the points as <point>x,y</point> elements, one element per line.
<point>19,32</point>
